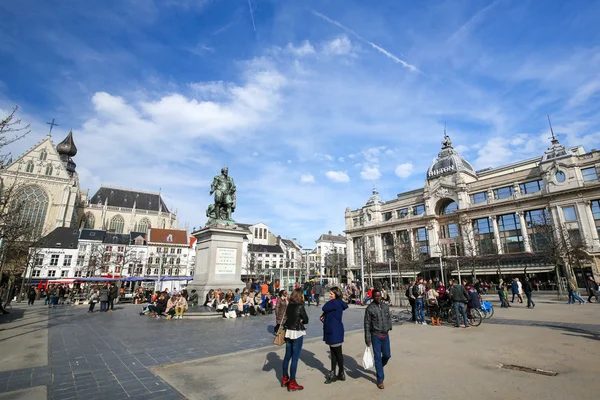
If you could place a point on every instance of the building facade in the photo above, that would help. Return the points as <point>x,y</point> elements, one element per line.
<point>330,254</point>
<point>495,221</point>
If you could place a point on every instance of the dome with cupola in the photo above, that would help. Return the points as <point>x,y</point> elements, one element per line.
<point>449,162</point>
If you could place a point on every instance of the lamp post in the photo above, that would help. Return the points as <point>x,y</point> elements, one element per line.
<point>160,268</point>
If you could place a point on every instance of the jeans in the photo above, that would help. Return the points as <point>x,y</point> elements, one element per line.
<point>577,297</point>
<point>413,309</point>
<point>530,302</point>
<point>571,300</point>
<point>419,312</point>
<point>31,300</point>
<point>292,352</point>
<point>382,354</point>
<point>463,311</point>
<point>111,303</point>
<point>503,302</point>
<point>103,306</point>
<point>317,299</point>
<point>92,305</point>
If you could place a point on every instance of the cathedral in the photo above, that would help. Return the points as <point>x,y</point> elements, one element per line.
<point>45,179</point>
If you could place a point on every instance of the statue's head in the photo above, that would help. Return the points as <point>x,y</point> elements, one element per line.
<point>225,171</point>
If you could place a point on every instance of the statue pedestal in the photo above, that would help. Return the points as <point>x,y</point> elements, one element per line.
<point>219,252</point>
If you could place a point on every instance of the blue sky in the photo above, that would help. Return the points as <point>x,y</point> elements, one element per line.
<point>308,103</point>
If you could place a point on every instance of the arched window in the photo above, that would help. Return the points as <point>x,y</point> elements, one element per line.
<point>143,225</point>
<point>33,204</point>
<point>49,170</point>
<point>117,223</point>
<point>29,167</point>
<point>90,221</point>
<point>43,155</point>
<point>449,207</point>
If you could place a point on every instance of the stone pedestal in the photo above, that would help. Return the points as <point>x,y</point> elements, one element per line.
<point>219,252</point>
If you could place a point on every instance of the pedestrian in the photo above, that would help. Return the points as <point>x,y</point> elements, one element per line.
<point>411,301</point>
<point>31,295</point>
<point>418,292</point>
<point>113,294</point>
<point>515,291</point>
<point>592,289</point>
<point>574,294</point>
<point>295,331</point>
<point>94,296</point>
<point>317,289</point>
<point>308,292</point>
<point>459,297</point>
<point>378,323</point>
<point>104,296</point>
<point>503,295</point>
<point>433,305</point>
<point>280,309</point>
<point>333,333</point>
<point>528,289</point>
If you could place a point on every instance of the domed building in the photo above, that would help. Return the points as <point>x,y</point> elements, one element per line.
<point>491,223</point>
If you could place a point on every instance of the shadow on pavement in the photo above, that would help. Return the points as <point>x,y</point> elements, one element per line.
<point>273,362</point>
<point>588,334</point>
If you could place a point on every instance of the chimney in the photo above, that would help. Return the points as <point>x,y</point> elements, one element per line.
<point>294,240</point>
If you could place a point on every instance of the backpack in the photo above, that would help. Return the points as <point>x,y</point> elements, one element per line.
<point>416,290</point>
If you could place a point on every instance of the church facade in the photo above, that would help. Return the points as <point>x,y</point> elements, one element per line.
<point>45,180</point>
<point>493,221</point>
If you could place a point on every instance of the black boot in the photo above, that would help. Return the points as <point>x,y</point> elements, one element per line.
<point>330,378</point>
<point>341,376</point>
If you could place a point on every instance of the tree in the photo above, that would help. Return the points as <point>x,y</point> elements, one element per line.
<point>10,132</point>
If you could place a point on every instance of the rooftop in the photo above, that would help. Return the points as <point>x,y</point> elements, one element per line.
<point>126,198</point>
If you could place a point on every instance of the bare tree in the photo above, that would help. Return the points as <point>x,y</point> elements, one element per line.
<point>10,132</point>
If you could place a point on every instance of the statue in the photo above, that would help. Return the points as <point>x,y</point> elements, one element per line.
<point>224,191</point>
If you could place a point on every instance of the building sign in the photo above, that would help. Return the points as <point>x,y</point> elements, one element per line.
<point>226,260</point>
<point>442,170</point>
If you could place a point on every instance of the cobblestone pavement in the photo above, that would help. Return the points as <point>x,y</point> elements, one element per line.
<point>108,355</point>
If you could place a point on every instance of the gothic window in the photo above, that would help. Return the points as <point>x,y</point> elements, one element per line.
<point>449,207</point>
<point>33,203</point>
<point>29,167</point>
<point>89,221</point>
<point>49,170</point>
<point>116,224</point>
<point>170,238</point>
<point>43,155</point>
<point>143,225</point>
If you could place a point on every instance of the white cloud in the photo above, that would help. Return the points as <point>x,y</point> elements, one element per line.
<point>337,176</point>
<point>305,49</point>
<point>341,159</point>
<point>389,152</point>
<point>338,46</point>
<point>323,157</point>
<point>370,173</point>
<point>404,170</point>
<point>307,178</point>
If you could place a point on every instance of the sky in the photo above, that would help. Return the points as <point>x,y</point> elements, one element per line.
<point>310,104</point>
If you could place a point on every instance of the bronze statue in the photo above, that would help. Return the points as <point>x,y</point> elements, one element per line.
<point>224,191</point>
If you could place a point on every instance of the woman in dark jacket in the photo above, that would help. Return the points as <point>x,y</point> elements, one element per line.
<point>296,317</point>
<point>333,332</point>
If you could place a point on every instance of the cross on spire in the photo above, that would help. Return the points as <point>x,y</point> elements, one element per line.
<point>52,125</point>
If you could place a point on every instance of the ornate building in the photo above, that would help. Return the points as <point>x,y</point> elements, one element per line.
<point>492,221</point>
<point>45,179</point>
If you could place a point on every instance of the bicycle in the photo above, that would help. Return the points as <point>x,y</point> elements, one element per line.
<point>487,310</point>
<point>399,316</point>
<point>474,316</point>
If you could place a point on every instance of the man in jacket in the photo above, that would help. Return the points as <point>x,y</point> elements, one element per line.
<point>318,289</point>
<point>113,294</point>
<point>418,293</point>
<point>459,297</point>
<point>528,289</point>
<point>378,323</point>
<point>592,289</point>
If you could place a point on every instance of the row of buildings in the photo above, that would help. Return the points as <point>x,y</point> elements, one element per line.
<point>528,217</point>
<point>120,232</point>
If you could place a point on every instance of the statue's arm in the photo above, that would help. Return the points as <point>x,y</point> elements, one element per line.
<point>213,185</point>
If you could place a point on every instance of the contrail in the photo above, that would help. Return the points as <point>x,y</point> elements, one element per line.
<point>373,45</point>
<point>251,15</point>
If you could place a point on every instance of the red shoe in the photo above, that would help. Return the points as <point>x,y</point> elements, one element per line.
<point>293,386</point>
<point>285,381</point>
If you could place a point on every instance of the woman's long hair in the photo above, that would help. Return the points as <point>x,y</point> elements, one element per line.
<point>296,296</point>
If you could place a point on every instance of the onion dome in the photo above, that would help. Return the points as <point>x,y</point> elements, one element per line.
<point>449,162</point>
<point>67,147</point>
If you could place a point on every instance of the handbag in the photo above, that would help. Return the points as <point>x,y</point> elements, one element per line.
<point>280,334</point>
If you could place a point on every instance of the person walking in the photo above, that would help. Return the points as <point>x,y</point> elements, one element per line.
<point>418,292</point>
<point>113,294</point>
<point>528,289</point>
<point>433,305</point>
<point>280,307</point>
<point>592,289</point>
<point>573,287</point>
<point>308,292</point>
<point>317,289</point>
<point>378,324</point>
<point>515,291</point>
<point>296,318</point>
<point>104,297</point>
<point>411,301</point>
<point>31,294</point>
<point>333,333</point>
<point>459,297</point>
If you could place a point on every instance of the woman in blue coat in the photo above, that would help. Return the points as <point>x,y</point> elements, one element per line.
<point>333,332</point>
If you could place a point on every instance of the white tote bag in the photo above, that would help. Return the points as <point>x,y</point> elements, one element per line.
<point>367,361</point>
<point>231,314</point>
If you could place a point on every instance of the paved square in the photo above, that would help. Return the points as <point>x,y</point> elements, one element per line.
<point>122,355</point>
